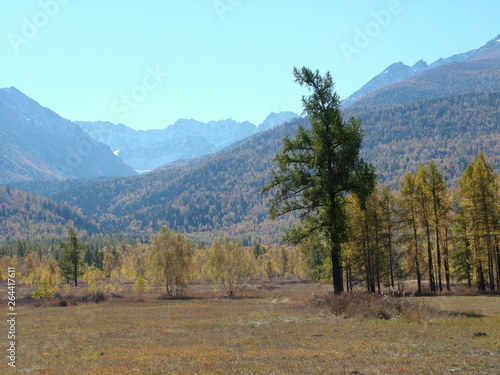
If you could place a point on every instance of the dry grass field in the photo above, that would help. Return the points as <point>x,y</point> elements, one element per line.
<point>271,330</point>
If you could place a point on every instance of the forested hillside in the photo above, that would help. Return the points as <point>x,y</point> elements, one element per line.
<point>449,130</point>
<point>472,76</point>
<point>219,193</point>
<point>36,143</point>
<point>27,216</point>
<point>448,114</point>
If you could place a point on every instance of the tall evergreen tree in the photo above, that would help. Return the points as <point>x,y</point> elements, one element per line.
<point>408,212</point>
<point>318,168</point>
<point>462,250</point>
<point>388,214</point>
<point>71,259</point>
<point>478,196</point>
<point>440,208</point>
<point>424,214</point>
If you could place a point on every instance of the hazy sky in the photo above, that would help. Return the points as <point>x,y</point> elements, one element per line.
<point>147,63</point>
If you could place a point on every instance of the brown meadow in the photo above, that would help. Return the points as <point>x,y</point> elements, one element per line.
<point>273,329</point>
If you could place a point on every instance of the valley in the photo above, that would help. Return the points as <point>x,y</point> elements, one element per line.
<point>212,247</point>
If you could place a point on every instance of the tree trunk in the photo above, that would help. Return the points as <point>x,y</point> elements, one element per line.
<point>498,264</point>
<point>429,257</point>
<point>481,283</point>
<point>436,229</point>
<point>76,273</point>
<point>377,256</point>
<point>338,287</point>
<point>417,263</point>
<point>348,276</point>
<point>391,261</point>
<point>446,262</point>
<point>438,251</point>
<point>369,259</point>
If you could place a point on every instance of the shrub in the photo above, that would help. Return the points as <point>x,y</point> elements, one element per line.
<point>67,288</point>
<point>92,285</point>
<point>368,305</point>
<point>141,286</point>
<point>45,290</point>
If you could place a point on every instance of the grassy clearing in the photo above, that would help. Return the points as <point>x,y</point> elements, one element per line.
<point>270,331</point>
<point>466,305</point>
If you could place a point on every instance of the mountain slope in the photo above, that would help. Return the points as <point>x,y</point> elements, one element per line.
<point>393,73</point>
<point>275,119</point>
<point>36,143</point>
<point>146,150</point>
<point>398,72</point>
<point>24,215</point>
<point>481,73</point>
<point>220,192</point>
<point>449,130</point>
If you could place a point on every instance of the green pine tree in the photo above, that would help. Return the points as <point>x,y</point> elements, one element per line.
<point>71,258</point>
<point>318,168</point>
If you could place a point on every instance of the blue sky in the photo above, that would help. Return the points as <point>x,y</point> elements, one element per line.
<point>147,63</point>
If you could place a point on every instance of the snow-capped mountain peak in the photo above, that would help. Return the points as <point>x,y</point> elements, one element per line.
<point>186,138</point>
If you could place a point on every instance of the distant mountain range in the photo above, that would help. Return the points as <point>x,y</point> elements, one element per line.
<point>185,139</point>
<point>447,113</point>
<point>36,144</point>
<point>219,194</point>
<point>398,71</point>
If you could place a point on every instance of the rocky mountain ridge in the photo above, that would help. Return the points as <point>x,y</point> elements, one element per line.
<point>150,149</point>
<point>399,71</point>
<point>36,143</point>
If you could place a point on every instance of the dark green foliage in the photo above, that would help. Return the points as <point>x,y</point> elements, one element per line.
<point>317,259</point>
<point>71,258</point>
<point>259,250</point>
<point>318,168</point>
